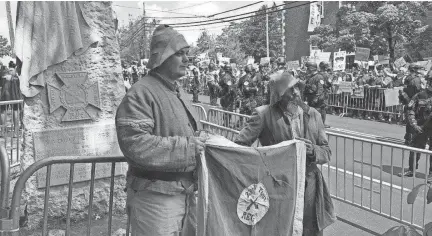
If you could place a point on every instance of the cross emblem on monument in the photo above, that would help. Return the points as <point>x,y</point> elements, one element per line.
<point>74,96</point>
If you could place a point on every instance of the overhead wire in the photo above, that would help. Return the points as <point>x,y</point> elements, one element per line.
<point>234,9</point>
<point>241,18</point>
<point>204,23</point>
<point>220,18</point>
<point>137,8</point>
<point>213,19</point>
<point>190,6</point>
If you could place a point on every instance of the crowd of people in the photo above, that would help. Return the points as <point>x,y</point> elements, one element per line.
<point>10,90</point>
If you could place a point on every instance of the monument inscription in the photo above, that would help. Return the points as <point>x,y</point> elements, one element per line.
<point>74,96</point>
<point>91,140</point>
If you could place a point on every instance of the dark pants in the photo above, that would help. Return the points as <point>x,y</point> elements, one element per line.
<point>195,93</point>
<point>419,141</point>
<point>323,112</point>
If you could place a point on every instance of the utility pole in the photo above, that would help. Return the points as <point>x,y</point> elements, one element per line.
<point>267,33</point>
<point>283,32</point>
<point>144,31</point>
<point>11,31</point>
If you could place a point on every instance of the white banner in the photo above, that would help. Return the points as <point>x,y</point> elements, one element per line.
<point>318,56</point>
<point>314,17</point>
<point>339,60</point>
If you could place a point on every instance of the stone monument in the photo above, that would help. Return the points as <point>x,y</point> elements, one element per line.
<point>70,106</point>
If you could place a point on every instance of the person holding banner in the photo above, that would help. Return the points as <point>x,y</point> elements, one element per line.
<point>314,93</point>
<point>156,130</point>
<point>299,121</point>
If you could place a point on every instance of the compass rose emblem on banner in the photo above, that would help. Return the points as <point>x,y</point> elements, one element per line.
<point>74,96</point>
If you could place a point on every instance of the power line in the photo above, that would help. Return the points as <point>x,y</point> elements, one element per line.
<point>137,8</point>
<point>241,18</point>
<point>222,18</point>
<point>134,34</point>
<point>225,21</point>
<point>191,6</point>
<point>181,24</point>
<point>234,9</point>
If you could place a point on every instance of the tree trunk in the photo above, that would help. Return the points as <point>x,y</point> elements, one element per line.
<point>391,47</point>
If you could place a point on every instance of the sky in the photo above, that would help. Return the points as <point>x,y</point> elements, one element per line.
<point>126,10</point>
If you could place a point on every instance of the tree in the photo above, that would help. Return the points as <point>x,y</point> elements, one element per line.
<point>205,41</point>
<point>228,42</point>
<point>5,50</point>
<point>132,41</point>
<point>249,36</point>
<point>383,27</point>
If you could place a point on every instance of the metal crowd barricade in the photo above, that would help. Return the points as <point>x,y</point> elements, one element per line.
<point>9,225</point>
<point>11,126</point>
<point>5,183</point>
<point>202,114</point>
<point>373,101</point>
<point>227,119</point>
<point>373,184</point>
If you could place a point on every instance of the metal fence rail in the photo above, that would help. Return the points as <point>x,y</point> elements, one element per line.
<point>373,101</point>
<point>202,114</point>
<point>227,119</point>
<point>11,126</point>
<point>10,224</point>
<point>372,185</point>
<point>5,183</point>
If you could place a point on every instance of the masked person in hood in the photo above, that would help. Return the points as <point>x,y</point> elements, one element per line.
<point>156,126</point>
<point>314,92</point>
<point>287,118</point>
<point>419,118</point>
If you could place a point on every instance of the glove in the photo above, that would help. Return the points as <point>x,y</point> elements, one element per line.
<point>418,129</point>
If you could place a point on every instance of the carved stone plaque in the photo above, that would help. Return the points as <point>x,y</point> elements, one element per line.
<point>74,96</point>
<point>94,140</point>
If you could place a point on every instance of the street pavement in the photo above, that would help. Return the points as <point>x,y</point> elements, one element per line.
<point>364,164</point>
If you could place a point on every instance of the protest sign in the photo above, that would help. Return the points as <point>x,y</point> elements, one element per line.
<point>345,87</point>
<point>358,92</point>
<point>250,60</point>
<point>314,16</point>
<point>400,62</point>
<point>304,59</point>
<point>391,96</point>
<point>362,54</point>
<point>293,64</point>
<point>265,60</point>
<point>339,61</point>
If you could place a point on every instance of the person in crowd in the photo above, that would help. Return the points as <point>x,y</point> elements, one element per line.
<point>135,72</point>
<point>412,87</point>
<point>281,64</point>
<point>325,70</point>
<point>227,93</point>
<point>264,89</point>
<point>156,130</point>
<point>419,118</point>
<point>299,122</point>
<point>248,88</point>
<point>212,83</point>
<point>195,85</point>
<point>314,93</point>
<point>11,91</point>
<point>257,79</point>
